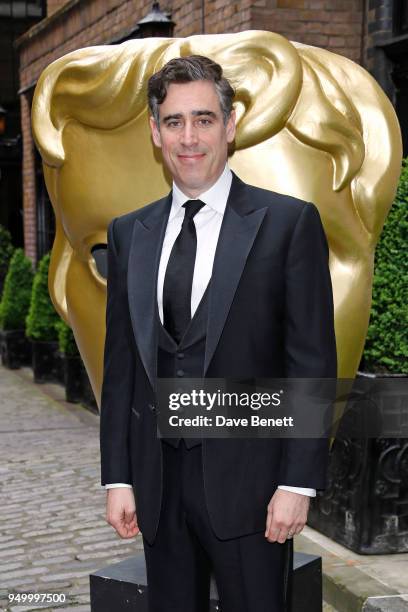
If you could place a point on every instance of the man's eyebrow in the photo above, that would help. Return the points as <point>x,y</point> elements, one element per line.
<point>195,113</point>
<point>204,112</point>
<point>174,116</point>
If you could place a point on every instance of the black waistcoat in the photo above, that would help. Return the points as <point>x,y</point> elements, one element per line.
<point>185,359</point>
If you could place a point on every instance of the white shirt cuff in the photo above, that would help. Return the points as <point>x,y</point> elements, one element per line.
<point>116,485</point>
<point>301,490</point>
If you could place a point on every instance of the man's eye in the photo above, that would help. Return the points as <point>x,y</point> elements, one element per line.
<point>204,121</point>
<point>173,124</point>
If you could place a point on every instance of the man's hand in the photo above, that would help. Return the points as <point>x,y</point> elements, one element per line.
<point>287,514</point>
<point>121,511</point>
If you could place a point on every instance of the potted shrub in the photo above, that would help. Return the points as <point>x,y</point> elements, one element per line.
<point>72,362</point>
<point>41,328</point>
<point>76,380</point>
<point>6,251</point>
<point>14,305</point>
<point>363,505</point>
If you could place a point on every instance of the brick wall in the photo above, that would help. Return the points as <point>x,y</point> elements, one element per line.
<point>379,26</point>
<point>75,25</point>
<point>336,25</point>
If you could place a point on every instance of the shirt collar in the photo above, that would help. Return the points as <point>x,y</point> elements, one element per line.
<point>215,197</point>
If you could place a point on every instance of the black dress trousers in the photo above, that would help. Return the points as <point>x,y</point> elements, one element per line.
<point>252,574</point>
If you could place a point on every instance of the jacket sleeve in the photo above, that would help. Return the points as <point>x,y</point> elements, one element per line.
<point>310,343</point>
<point>118,374</point>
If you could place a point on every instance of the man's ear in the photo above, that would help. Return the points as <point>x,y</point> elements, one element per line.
<point>231,127</point>
<point>154,128</point>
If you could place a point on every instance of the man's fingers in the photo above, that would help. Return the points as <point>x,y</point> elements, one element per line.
<point>129,531</point>
<point>132,526</point>
<point>273,534</point>
<point>126,529</point>
<point>125,533</point>
<point>273,528</point>
<point>283,535</point>
<point>279,534</point>
<point>277,528</point>
<point>278,531</point>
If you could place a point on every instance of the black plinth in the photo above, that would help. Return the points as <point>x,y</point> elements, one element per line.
<point>123,586</point>
<point>47,363</point>
<point>15,349</point>
<point>364,505</point>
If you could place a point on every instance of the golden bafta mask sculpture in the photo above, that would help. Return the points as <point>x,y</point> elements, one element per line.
<point>310,123</point>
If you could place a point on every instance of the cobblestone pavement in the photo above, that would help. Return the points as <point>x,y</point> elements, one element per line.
<point>53,532</point>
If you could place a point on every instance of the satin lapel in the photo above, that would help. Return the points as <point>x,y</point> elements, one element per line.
<point>239,228</point>
<point>143,265</point>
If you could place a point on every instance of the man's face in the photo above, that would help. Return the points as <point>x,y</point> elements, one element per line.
<point>192,135</point>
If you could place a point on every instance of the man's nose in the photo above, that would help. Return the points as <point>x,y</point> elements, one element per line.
<point>189,135</point>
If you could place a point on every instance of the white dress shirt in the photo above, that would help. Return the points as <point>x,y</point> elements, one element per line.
<point>208,224</point>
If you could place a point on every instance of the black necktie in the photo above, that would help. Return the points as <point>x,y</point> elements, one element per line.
<point>178,279</point>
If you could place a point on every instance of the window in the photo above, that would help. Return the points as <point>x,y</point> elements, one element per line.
<point>45,212</point>
<point>400,17</point>
<point>18,9</point>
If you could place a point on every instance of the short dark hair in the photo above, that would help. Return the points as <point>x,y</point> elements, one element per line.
<point>185,70</point>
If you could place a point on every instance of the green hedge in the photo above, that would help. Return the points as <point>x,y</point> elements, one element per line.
<point>42,318</point>
<point>6,251</point>
<point>15,299</point>
<point>386,348</point>
<point>66,339</point>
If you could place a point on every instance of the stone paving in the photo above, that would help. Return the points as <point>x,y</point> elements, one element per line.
<point>53,532</point>
<point>358,583</point>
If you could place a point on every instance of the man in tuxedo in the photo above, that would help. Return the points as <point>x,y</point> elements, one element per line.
<point>218,279</point>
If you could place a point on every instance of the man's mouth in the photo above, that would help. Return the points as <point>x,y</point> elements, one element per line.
<point>190,157</point>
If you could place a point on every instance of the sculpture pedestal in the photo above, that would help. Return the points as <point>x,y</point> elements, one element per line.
<point>15,348</point>
<point>46,362</point>
<point>364,506</point>
<point>123,586</point>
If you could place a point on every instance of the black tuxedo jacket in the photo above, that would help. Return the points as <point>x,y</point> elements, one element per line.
<point>270,315</point>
